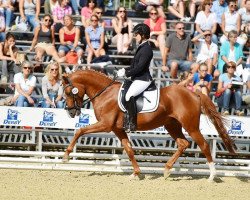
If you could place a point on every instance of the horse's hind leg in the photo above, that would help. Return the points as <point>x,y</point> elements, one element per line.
<point>130,152</point>
<point>174,128</point>
<point>202,143</point>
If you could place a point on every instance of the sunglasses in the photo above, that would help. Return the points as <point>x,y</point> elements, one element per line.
<point>209,4</point>
<point>231,67</point>
<point>233,6</point>
<point>94,20</point>
<point>153,13</point>
<point>47,20</point>
<point>181,28</point>
<point>99,13</point>
<point>122,11</point>
<point>27,68</point>
<point>56,69</point>
<point>207,35</point>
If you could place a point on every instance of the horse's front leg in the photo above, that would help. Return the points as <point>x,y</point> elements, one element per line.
<point>94,128</point>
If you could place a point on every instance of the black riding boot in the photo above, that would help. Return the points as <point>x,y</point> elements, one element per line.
<point>130,118</point>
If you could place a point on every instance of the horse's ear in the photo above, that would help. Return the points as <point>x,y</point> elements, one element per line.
<point>65,78</point>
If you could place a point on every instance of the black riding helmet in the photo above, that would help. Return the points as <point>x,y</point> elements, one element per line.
<point>143,30</point>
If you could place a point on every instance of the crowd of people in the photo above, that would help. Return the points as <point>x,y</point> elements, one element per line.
<point>213,52</point>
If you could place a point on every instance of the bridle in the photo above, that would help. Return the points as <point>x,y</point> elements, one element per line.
<point>74,94</point>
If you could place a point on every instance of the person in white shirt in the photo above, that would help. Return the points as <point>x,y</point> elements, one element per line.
<point>206,20</point>
<point>207,51</point>
<point>25,83</point>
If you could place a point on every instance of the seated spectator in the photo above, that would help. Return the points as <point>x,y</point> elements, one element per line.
<point>230,51</point>
<point>122,34</point>
<point>178,51</point>
<point>25,83</point>
<point>2,27</point>
<point>86,12</point>
<point>158,29</point>
<point>226,90</point>
<point>74,5</point>
<point>69,38</point>
<point>59,12</point>
<point>245,17</point>
<point>206,20</point>
<point>192,5</point>
<point>8,56</point>
<point>219,7</point>
<point>99,3</point>
<point>203,80</point>
<point>231,21</point>
<point>98,12</point>
<point>49,5</point>
<point>186,80</point>
<point>7,6</point>
<point>30,11</point>
<point>52,88</point>
<point>207,51</point>
<point>94,35</point>
<point>44,40</point>
<point>158,4</point>
<point>177,8</point>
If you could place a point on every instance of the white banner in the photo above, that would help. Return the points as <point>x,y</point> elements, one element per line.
<point>58,118</point>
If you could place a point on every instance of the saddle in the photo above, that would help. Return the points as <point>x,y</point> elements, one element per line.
<point>147,101</point>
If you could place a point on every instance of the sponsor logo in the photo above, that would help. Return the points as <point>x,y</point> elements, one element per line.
<point>236,128</point>
<point>48,119</point>
<point>83,120</point>
<point>12,117</point>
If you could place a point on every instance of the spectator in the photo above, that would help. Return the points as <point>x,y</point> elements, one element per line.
<point>206,20</point>
<point>94,35</point>
<point>69,38</point>
<point>186,80</point>
<point>86,12</point>
<point>25,83</point>
<point>59,12</point>
<point>8,55</point>
<point>219,7</point>
<point>177,8</point>
<point>245,17</point>
<point>203,80</point>
<point>226,90</point>
<point>207,51</point>
<point>99,3</point>
<point>7,6</point>
<point>52,88</point>
<point>158,4</point>
<point>74,5</point>
<point>44,40</point>
<point>122,34</point>
<point>99,11</point>
<point>230,51</point>
<point>30,11</point>
<point>49,6</point>
<point>158,29</point>
<point>178,51</point>
<point>2,27</point>
<point>192,4</point>
<point>231,21</point>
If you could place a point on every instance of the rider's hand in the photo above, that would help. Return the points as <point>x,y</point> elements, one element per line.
<point>121,72</point>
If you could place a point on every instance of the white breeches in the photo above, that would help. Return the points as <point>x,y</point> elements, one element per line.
<point>136,88</point>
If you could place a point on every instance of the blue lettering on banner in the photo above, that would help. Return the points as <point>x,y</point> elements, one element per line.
<point>48,119</point>
<point>236,128</point>
<point>12,118</point>
<point>83,121</point>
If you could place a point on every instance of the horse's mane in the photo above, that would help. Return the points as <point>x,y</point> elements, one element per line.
<point>96,73</point>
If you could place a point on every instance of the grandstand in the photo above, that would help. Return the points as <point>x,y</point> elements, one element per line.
<point>42,148</point>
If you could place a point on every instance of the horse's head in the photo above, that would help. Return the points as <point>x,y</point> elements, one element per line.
<point>74,96</point>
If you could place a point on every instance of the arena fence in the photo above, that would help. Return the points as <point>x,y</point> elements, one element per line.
<point>43,146</point>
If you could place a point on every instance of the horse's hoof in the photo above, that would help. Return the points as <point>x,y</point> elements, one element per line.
<point>65,159</point>
<point>166,173</point>
<point>134,177</point>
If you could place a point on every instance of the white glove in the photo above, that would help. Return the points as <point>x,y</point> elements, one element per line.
<point>121,72</point>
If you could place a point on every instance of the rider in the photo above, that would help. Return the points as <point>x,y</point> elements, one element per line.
<point>139,73</point>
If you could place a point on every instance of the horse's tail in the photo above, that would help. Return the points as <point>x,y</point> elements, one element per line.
<point>219,122</point>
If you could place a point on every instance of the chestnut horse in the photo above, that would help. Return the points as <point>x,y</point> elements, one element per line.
<point>178,107</point>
